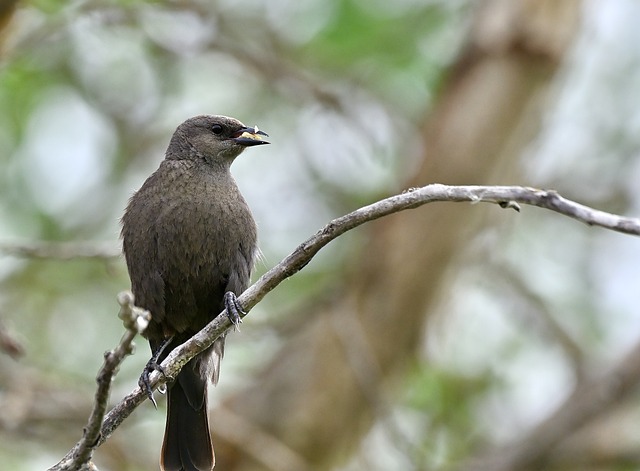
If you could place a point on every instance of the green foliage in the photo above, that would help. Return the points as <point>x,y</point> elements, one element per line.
<point>22,86</point>
<point>357,34</point>
<point>447,403</point>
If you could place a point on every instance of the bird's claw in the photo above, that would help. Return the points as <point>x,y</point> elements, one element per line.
<point>151,366</point>
<point>145,383</point>
<point>234,309</point>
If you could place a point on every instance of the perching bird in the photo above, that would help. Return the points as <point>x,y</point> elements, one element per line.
<point>190,241</point>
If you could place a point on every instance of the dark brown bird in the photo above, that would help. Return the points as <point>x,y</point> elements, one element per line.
<point>189,240</point>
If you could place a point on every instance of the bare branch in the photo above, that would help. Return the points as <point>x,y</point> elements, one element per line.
<point>541,313</point>
<point>135,321</point>
<point>505,196</point>
<point>61,250</point>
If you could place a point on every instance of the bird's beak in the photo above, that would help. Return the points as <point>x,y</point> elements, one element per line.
<point>250,137</point>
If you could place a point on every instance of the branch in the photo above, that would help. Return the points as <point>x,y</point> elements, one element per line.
<point>135,320</point>
<point>505,196</point>
<point>60,250</point>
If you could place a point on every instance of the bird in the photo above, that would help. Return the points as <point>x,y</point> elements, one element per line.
<point>190,242</point>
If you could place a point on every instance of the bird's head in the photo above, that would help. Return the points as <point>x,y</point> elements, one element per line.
<point>217,139</point>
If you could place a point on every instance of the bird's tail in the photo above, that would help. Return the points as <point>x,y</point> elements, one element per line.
<point>187,443</point>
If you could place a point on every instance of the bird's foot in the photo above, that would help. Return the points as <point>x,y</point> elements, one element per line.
<point>234,309</point>
<point>151,366</point>
<point>144,382</point>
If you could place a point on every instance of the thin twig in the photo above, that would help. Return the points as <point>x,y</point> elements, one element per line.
<point>60,250</point>
<point>135,321</point>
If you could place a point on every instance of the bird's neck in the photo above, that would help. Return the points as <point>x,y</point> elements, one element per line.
<point>182,150</point>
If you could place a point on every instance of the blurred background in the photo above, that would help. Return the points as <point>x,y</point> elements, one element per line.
<point>450,337</point>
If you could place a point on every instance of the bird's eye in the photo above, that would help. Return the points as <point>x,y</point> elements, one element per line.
<point>217,129</point>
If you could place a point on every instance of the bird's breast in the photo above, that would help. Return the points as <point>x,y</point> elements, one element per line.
<point>211,229</point>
